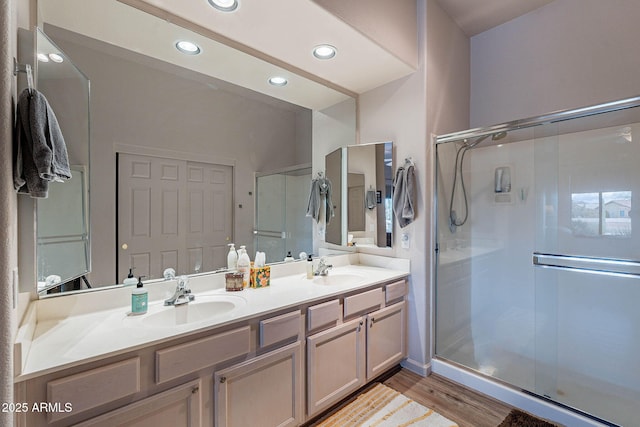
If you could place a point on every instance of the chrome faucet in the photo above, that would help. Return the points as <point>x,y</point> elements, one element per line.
<point>323,268</point>
<point>169,274</point>
<point>182,294</point>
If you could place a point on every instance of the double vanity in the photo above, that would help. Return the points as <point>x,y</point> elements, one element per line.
<point>274,356</point>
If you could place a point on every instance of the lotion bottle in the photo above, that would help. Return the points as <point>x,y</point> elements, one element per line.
<point>244,266</point>
<point>309,267</point>
<point>139,298</point>
<point>232,257</point>
<point>288,258</point>
<point>130,280</point>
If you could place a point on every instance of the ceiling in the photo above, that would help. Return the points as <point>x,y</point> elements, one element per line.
<point>275,44</point>
<point>476,16</point>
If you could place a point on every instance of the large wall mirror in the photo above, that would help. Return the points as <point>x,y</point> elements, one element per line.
<point>175,147</point>
<point>365,186</point>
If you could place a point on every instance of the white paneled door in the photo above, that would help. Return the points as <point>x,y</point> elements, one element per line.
<point>172,213</point>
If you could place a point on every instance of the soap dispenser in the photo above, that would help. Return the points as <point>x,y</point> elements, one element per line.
<point>244,266</point>
<point>232,257</point>
<point>288,258</point>
<point>309,267</point>
<point>130,280</point>
<point>139,298</point>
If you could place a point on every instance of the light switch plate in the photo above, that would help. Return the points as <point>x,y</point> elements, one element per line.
<point>405,241</point>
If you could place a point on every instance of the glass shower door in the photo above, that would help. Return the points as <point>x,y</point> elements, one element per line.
<point>587,274</point>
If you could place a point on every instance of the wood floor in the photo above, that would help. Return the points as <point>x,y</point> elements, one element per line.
<point>466,407</point>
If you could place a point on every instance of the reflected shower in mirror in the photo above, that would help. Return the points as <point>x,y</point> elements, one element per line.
<point>369,192</point>
<point>281,223</point>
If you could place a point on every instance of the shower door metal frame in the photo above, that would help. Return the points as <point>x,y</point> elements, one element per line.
<point>555,117</point>
<point>604,266</point>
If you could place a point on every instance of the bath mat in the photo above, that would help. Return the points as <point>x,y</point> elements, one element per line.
<point>522,419</point>
<point>382,406</point>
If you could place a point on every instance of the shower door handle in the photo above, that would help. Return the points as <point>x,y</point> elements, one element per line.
<point>595,265</point>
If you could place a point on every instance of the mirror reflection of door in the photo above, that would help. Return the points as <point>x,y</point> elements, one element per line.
<point>355,206</point>
<point>172,213</point>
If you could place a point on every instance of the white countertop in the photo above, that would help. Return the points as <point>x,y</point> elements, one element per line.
<point>58,333</point>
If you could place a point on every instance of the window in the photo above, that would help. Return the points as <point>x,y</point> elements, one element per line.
<point>601,214</point>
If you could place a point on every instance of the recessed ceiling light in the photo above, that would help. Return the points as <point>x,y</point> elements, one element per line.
<point>324,51</point>
<point>188,48</point>
<point>278,81</point>
<point>224,5</point>
<point>43,57</point>
<point>55,57</point>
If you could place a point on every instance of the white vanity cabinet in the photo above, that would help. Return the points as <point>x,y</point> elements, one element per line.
<point>265,391</point>
<point>343,358</point>
<point>386,338</point>
<point>278,367</point>
<point>335,365</point>
<point>179,406</point>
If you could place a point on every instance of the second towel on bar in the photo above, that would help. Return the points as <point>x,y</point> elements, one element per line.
<point>404,194</point>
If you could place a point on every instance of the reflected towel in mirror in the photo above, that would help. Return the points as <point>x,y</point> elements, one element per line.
<point>320,205</point>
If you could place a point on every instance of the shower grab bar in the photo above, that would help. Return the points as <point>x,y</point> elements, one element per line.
<point>606,266</point>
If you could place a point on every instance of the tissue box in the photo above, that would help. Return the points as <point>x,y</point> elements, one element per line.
<point>260,277</point>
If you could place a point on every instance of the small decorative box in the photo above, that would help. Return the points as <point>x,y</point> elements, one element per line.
<point>233,281</point>
<point>260,277</point>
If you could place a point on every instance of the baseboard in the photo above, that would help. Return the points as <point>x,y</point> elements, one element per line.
<point>416,367</point>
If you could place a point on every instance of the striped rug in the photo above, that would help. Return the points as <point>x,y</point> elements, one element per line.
<point>382,406</point>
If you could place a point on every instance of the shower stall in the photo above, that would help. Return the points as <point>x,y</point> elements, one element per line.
<point>538,259</point>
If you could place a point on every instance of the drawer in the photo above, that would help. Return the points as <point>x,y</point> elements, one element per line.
<point>179,360</point>
<point>280,328</point>
<point>325,315</point>
<point>90,389</point>
<point>362,303</point>
<point>395,290</point>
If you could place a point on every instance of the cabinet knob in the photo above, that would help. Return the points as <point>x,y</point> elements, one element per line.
<point>223,380</point>
<point>195,390</point>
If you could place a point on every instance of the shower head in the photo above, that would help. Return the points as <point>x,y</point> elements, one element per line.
<point>498,135</point>
<point>494,137</point>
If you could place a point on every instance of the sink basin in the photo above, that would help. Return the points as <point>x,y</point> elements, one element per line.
<point>199,310</point>
<point>338,279</point>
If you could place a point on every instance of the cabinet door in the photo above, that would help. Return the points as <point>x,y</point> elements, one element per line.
<point>386,338</point>
<point>335,364</point>
<point>177,407</point>
<point>265,391</point>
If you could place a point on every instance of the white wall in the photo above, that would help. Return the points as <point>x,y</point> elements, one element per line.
<point>407,112</point>
<point>567,54</point>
